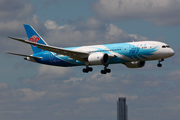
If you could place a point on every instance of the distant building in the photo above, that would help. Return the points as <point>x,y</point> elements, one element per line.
<point>122,109</point>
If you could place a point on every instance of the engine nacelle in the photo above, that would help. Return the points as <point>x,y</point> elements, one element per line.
<point>98,58</point>
<point>135,64</point>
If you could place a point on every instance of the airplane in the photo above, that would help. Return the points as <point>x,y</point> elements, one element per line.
<point>131,54</point>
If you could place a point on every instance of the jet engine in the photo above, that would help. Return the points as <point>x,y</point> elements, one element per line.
<point>98,58</point>
<point>135,64</point>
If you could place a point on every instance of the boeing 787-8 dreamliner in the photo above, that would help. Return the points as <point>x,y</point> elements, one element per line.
<point>131,54</point>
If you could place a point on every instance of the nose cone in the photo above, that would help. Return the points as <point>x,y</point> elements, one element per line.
<point>171,52</point>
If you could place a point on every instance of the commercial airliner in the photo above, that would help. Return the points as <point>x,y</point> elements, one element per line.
<point>131,54</point>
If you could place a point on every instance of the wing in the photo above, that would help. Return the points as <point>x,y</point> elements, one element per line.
<point>77,55</point>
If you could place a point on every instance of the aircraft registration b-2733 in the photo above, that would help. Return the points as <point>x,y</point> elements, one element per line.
<point>131,54</point>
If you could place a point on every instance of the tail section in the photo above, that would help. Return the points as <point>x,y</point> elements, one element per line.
<point>33,36</point>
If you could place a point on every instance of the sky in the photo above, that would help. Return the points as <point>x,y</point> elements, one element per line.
<point>30,91</point>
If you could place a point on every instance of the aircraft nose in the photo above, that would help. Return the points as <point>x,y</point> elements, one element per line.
<point>171,52</point>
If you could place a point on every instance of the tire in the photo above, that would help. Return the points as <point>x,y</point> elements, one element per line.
<point>108,70</point>
<point>159,65</point>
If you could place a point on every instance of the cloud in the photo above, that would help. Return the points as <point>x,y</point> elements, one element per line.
<point>3,86</point>
<point>161,12</point>
<point>152,83</point>
<point>113,97</point>
<point>47,72</point>
<point>173,75</point>
<point>31,95</point>
<point>13,15</point>
<point>88,32</point>
<point>73,80</point>
<point>176,57</point>
<point>88,100</point>
<point>80,94</point>
<point>49,24</point>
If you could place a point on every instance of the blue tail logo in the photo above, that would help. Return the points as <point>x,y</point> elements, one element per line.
<point>33,36</point>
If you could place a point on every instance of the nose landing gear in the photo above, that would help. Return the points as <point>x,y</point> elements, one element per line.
<point>159,64</point>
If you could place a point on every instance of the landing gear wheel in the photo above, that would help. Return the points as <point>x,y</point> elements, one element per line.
<point>85,70</point>
<point>103,71</point>
<point>108,70</point>
<point>159,65</point>
<point>88,69</point>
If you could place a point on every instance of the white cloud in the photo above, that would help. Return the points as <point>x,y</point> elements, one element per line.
<point>31,95</point>
<point>73,80</point>
<point>161,12</point>
<point>98,78</point>
<point>88,100</point>
<point>3,86</point>
<point>46,72</point>
<point>174,75</point>
<point>114,96</point>
<point>50,24</point>
<point>174,108</point>
<point>126,81</point>
<point>152,83</point>
<point>9,112</point>
<point>88,32</point>
<point>63,99</point>
<point>13,14</point>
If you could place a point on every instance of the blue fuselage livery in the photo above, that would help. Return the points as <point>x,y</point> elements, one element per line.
<point>131,54</point>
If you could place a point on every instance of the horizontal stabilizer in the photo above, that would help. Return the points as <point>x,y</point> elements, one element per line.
<point>25,55</point>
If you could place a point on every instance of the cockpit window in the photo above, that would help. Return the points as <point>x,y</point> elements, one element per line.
<point>165,46</point>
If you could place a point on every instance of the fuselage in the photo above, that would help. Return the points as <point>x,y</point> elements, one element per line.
<point>122,52</point>
<point>131,54</point>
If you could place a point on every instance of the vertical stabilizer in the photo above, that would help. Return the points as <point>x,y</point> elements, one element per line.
<point>33,36</point>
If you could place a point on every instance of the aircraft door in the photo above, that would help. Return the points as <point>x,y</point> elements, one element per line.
<point>126,49</point>
<point>51,56</point>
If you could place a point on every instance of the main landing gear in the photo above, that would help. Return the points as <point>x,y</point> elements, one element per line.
<point>105,70</point>
<point>87,69</point>
<point>90,69</point>
<point>159,64</point>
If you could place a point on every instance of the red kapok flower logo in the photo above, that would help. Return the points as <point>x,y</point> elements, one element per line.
<point>34,39</point>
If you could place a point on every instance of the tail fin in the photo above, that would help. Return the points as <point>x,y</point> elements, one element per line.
<point>33,36</point>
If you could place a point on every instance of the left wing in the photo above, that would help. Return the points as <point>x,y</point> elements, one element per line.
<point>80,56</point>
<point>77,55</point>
